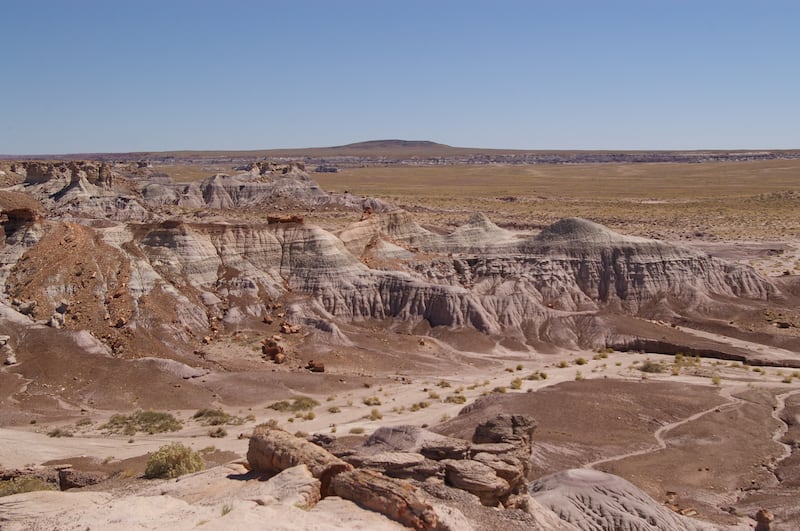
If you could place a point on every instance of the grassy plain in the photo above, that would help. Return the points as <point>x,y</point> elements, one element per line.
<point>753,200</point>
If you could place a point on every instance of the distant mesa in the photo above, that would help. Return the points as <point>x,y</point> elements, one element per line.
<point>392,144</point>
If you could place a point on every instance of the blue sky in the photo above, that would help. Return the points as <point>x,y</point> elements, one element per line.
<point>119,75</point>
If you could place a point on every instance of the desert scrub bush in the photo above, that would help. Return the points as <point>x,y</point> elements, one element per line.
<point>516,383</point>
<point>173,460</point>
<point>651,367</point>
<point>578,375</point>
<point>216,417</point>
<point>443,384</point>
<point>271,423</point>
<point>499,389</point>
<point>218,432</point>
<point>12,486</point>
<point>334,409</point>
<point>563,364</point>
<point>456,399</point>
<point>59,432</point>
<point>519,367</point>
<point>298,403</point>
<point>142,421</point>
<point>580,361</point>
<point>716,380</point>
<point>356,431</point>
<point>301,434</point>
<point>419,405</point>
<point>372,401</point>
<point>375,415</point>
<point>310,416</point>
<point>433,395</point>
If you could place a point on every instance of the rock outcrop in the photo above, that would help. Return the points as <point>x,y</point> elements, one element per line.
<point>590,499</point>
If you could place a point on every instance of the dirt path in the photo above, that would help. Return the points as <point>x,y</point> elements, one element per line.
<point>780,405</point>
<point>659,433</point>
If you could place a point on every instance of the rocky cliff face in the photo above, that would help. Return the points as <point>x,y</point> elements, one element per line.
<point>547,287</point>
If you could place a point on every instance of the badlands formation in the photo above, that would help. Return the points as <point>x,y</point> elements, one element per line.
<point>570,377</point>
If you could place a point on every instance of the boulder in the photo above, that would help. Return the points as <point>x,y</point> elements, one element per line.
<point>507,467</point>
<point>395,498</point>
<point>402,465</point>
<point>445,448</point>
<point>27,307</point>
<point>476,478</point>
<point>512,429</point>
<point>69,478</point>
<point>273,450</point>
<point>764,518</point>
<point>294,486</point>
<point>516,430</point>
<point>315,366</point>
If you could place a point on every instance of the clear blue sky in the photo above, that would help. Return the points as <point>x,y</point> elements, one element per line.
<point>125,75</point>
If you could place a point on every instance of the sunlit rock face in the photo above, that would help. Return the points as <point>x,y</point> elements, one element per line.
<point>537,287</point>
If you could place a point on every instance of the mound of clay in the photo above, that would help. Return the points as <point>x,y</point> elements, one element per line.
<point>590,499</point>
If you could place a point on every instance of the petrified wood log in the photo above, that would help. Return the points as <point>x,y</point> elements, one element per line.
<point>395,498</point>
<point>273,450</point>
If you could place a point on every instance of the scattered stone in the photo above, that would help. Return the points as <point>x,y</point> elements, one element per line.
<point>9,356</point>
<point>764,519</point>
<point>56,320</point>
<point>27,308</point>
<point>315,366</point>
<point>287,328</point>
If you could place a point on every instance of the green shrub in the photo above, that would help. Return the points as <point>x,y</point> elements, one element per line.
<point>516,383</point>
<point>580,361</point>
<point>23,484</point>
<point>500,389</point>
<point>216,417</point>
<point>356,431</point>
<point>443,384</point>
<point>145,421</point>
<point>173,460</point>
<point>59,432</point>
<point>334,409</point>
<point>563,364</point>
<point>419,405</point>
<point>375,414</point>
<point>298,403</point>
<point>456,399</point>
<point>372,401</point>
<point>651,367</point>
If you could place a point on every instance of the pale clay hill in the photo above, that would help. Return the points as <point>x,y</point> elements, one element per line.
<point>110,266</point>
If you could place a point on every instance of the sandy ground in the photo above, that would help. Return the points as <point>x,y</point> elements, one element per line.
<point>596,411</point>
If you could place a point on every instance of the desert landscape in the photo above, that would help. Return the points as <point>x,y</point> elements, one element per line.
<point>400,334</point>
